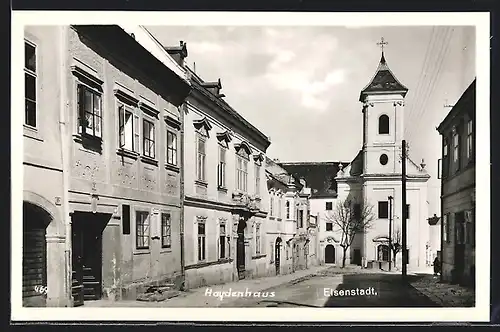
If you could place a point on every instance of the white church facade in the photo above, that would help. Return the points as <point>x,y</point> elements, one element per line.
<point>374,176</point>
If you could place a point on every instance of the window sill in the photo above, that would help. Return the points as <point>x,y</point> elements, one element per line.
<point>172,168</point>
<point>127,153</point>
<point>201,183</point>
<point>32,132</point>
<point>149,160</point>
<point>222,189</point>
<point>142,251</point>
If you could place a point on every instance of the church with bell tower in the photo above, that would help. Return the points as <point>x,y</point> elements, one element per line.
<point>374,176</point>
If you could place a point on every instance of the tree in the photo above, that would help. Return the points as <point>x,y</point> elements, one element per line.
<point>350,217</point>
<point>395,243</point>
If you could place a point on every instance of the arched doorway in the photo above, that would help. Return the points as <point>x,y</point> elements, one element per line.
<point>383,252</point>
<point>329,254</point>
<point>277,255</point>
<point>35,222</point>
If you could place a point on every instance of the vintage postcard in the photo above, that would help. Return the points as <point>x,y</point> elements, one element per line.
<point>250,166</point>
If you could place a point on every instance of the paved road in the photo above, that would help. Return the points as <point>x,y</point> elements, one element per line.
<point>359,290</point>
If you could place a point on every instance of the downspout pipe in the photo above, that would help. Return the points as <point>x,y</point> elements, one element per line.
<point>182,109</point>
<point>63,121</point>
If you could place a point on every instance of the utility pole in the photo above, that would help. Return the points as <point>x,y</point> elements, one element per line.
<point>403,206</point>
<point>390,231</point>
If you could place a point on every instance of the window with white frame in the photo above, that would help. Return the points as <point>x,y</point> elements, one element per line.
<point>287,209</point>
<point>271,206</point>
<point>257,239</point>
<point>30,84</point>
<point>201,239</point>
<point>128,128</point>
<point>279,207</point>
<point>166,230</point>
<point>456,149</point>
<point>171,148</point>
<point>469,140</point>
<point>89,105</point>
<point>200,157</point>
<point>446,228</point>
<point>257,180</point>
<point>142,229</point>
<point>241,173</point>
<point>148,134</point>
<point>221,168</point>
<point>446,158</point>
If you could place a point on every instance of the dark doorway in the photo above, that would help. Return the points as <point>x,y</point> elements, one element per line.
<point>383,252</point>
<point>277,255</point>
<point>357,257</point>
<point>330,254</point>
<point>87,256</point>
<point>240,250</point>
<point>35,221</point>
<point>459,259</point>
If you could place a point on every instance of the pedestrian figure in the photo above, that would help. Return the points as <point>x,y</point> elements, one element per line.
<point>437,266</point>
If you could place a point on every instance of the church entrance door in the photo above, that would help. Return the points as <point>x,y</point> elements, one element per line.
<point>330,254</point>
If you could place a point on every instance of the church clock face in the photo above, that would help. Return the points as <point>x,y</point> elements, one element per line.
<point>384,159</point>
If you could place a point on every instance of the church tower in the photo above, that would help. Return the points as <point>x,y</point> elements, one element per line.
<point>383,120</point>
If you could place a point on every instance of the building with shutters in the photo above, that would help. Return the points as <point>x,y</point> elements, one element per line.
<point>458,190</point>
<point>225,189</point>
<point>102,202</point>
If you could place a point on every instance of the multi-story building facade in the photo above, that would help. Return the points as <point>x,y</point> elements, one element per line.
<point>320,176</point>
<point>117,202</point>
<point>290,235</point>
<point>225,188</point>
<point>458,189</point>
<point>44,248</point>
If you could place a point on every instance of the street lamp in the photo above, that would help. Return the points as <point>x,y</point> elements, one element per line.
<point>390,229</point>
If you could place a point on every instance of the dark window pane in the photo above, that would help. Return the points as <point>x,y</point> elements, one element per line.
<point>29,57</point>
<point>30,113</point>
<point>30,87</point>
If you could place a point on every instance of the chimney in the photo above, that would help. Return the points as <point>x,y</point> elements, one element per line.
<point>214,87</point>
<point>178,53</point>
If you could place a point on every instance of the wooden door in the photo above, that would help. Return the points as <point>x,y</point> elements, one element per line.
<point>240,254</point>
<point>34,266</point>
<point>330,254</point>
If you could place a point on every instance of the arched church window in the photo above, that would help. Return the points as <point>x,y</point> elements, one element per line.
<point>383,124</point>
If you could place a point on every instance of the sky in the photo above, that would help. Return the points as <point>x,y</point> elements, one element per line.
<point>301,85</point>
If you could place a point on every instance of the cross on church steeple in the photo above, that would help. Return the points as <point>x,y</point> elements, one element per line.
<point>382,43</point>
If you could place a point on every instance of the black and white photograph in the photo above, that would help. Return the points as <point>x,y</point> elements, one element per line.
<point>179,166</point>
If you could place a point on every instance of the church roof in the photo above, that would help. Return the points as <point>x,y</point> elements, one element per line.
<point>383,81</point>
<point>319,176</point>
